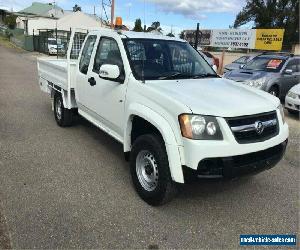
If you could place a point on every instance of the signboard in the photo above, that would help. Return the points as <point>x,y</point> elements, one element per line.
<point>261,39</point>
<point>233,38</point>
<point>205,37</point>
<point>269,39</point>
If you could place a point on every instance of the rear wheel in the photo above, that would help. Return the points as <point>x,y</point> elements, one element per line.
<point>274,91</point>
<point>150,170</point>
<point>63,116</point>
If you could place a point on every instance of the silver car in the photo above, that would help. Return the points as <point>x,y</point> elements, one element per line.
<point>292,100</point>
<point>275,73</point>
<point>238,63</point>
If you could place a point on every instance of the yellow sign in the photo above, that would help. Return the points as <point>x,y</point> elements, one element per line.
<point>269,39</point>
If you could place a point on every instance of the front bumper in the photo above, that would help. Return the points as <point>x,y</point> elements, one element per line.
<point>234,166</point>
<point>193,152</point>
<point>292,103</point>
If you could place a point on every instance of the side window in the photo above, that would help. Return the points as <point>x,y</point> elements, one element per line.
<point>86,54</point>
<point>108,53</point>
<point>294,65</point>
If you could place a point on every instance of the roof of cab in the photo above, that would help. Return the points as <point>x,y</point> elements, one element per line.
<point>147,35</point>
<point>135,35</point>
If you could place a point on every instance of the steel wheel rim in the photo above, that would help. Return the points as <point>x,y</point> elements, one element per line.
<point>147,170</point>
<point>58,108</point>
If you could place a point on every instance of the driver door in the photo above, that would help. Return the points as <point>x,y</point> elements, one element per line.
<point>107,96</point>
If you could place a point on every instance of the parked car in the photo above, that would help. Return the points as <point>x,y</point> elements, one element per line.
<point>171,112</point>
<point>55,46</point>
<point>275,73</point>
<point>238,63</point>
<point>292,100</point>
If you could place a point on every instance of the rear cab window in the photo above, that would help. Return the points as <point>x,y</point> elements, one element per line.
<point>86,54</point>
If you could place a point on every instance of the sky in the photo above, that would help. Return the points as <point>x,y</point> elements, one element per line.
<point>174,15</point>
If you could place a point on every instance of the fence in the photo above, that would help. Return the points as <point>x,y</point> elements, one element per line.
<point>17,37</point>
<point>52,41</point>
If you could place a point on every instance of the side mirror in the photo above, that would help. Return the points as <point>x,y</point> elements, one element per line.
<point>242,66</point>
<point>109,71</point>
<point>288,71</point>
<point>215,68</point>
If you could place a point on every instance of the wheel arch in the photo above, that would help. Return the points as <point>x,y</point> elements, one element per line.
<point>160,125</point>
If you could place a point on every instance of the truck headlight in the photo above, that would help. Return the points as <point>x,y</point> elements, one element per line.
<point>200,127</point>
<point>258,83</point>
<point>280,107</point>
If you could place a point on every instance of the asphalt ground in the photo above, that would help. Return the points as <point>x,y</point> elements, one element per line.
<point>71,188</point>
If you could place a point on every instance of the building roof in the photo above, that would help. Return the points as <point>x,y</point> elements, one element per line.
<point>40,9</point>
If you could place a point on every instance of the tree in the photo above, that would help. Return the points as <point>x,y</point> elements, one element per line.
<point>182,35</point>
<point>171,34</point>
<point>155,26</point>
<point>138,26</point>
<point>76,8</point>
<point>272,14</point>
<point>10,21</point>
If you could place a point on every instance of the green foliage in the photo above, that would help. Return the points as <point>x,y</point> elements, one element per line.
<point>155,26</point>
<point>8,34</point>
<point>272,14</point>
<point>181,35</point>
<point>171,35</point>
<point>76,8</point>
<point>10,21</point>
<point>138,26</point>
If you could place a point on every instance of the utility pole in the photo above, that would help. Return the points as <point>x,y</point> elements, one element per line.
<point>101,15</point>
<point>197,36</point>
<point>112,15</point>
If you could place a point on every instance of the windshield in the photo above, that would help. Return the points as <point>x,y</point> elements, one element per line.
<point>265,64</point>
<point>162,59</point>
<point>242,60</point>
<point>52,42</point>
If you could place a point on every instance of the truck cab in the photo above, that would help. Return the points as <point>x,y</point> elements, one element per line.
<point>173,114</point>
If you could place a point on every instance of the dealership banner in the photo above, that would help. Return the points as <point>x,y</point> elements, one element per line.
<point>233,38</point>
<point>269,39</point>
<point>261,39</point>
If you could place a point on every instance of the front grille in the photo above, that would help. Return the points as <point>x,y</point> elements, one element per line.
<point>247,129</point>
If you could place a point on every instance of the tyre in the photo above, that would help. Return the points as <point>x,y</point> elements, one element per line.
<point>293,112</point>
<point>274,91</point>
<point>150,171</point>
<point>63,116</point>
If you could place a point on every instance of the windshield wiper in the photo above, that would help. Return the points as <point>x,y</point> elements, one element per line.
<point>181,75</point>
<point>205,76</point>
<point>172,76</point>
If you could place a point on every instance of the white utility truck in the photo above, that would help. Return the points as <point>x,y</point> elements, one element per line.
<point>173,114</point>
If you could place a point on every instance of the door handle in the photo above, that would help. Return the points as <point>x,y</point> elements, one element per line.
<point>92,81</point>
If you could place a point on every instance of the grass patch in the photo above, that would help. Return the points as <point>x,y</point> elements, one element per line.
<point>4,41</point>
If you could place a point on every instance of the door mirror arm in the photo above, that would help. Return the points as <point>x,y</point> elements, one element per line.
<point>288,72</point>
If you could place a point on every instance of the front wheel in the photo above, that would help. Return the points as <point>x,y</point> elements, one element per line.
<point>150,171</point>
<point>274,91</point>
<point>63,116</point>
